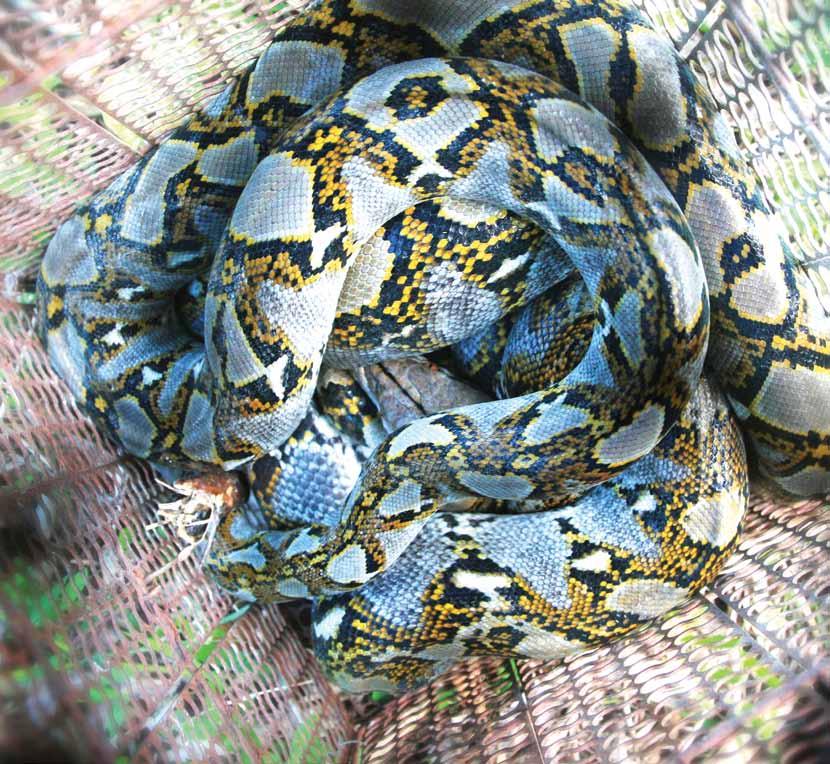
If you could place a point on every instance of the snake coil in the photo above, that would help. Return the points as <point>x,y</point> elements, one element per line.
<point>545,187</point>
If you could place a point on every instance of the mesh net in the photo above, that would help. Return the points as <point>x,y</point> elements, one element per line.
<point>99,661</point>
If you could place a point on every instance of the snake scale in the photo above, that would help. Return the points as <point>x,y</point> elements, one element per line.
<point>545,188</point>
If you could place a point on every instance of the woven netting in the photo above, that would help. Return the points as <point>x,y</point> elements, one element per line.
<point>99,660</point>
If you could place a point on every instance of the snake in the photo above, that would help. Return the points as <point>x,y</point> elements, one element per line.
<point>544,191</point>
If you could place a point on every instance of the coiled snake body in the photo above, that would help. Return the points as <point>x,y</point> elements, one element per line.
<point>390,178</point>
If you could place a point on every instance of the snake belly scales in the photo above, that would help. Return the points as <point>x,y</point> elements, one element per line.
<point>543,186</point>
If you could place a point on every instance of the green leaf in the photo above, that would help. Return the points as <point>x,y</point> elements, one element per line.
<point>306,746</point>
<point>125,537</point>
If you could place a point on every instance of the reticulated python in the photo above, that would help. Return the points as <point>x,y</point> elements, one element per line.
<point>546,187</point>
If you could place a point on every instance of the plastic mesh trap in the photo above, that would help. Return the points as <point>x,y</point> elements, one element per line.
<point>97,663</point>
